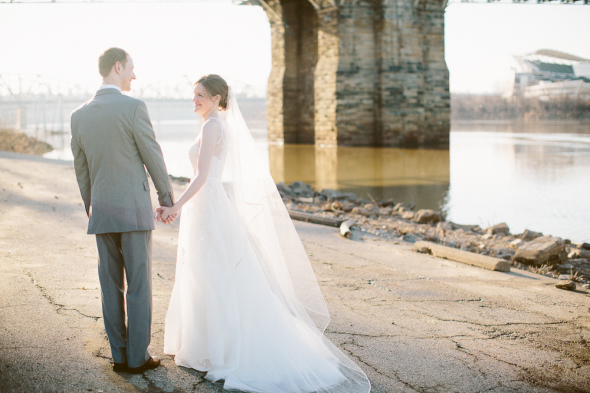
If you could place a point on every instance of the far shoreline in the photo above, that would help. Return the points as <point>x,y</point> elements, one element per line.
<point>581,122</point>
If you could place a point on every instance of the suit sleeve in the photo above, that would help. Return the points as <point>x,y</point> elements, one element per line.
<point>151,155</point>
<point>82,172</point>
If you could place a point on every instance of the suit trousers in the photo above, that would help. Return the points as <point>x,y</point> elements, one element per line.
<point>126,255</point>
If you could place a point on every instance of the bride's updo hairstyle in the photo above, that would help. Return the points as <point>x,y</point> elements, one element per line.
<point>214,84</point>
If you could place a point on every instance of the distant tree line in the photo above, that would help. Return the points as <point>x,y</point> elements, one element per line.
<point>492,107</point>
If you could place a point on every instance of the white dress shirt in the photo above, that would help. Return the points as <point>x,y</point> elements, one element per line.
<point>109,87</point>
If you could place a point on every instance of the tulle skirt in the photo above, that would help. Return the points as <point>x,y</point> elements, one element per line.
<point>224,318</point>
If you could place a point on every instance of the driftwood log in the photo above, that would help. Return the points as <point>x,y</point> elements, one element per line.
<point>469,258</point>
<point>315,219</point>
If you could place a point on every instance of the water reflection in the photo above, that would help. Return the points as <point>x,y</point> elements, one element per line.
<point>558,127</point>
<point>418,176</point>
<point>528,180</point>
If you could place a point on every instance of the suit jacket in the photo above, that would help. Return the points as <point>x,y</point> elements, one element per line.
<point>113,143</point>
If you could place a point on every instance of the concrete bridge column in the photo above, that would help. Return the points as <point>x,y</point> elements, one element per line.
<point>358,73</point>
<point>290,98</point>
<point>414,77</point>
<point>346,76</point>
<point>437,98</point>
<point>325,79</point>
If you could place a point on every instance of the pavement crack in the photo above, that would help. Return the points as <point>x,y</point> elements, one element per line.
<point>362,335</point>
<point>374,369</point>
<point>58,307</point>
<point>491,325</point>
<point>22,347</point>
<point>164,278</point>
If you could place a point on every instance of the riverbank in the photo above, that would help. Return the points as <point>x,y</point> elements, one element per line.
<point>412,322</point>
<point>495,107</point>
<point>17,142</point>
<point>397,221</point>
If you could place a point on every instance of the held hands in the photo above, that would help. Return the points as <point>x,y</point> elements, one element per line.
<point>166,214</point>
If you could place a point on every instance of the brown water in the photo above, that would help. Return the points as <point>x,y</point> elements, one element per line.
<point>418,176</point>
<point>529,175</point>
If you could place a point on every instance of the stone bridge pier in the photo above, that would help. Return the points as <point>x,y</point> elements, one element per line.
<point>358,73</point>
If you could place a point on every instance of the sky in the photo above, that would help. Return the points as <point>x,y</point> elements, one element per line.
<point>480,39</point>
<point>172,42</point>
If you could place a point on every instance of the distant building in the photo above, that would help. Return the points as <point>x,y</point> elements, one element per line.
<point>549,73</point>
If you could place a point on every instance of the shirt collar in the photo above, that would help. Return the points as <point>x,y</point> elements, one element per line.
<point>110,87</point>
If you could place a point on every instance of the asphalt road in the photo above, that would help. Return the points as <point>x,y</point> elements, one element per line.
<point>414,323</point>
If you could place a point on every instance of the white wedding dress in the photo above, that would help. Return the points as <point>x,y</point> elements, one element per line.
<point>226,316</point>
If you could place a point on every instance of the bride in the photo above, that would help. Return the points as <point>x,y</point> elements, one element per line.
<point>246,306</point>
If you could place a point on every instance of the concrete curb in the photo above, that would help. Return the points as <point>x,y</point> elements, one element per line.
<point>466,257</point>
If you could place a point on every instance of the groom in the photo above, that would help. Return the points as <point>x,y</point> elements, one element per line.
<point>112,141</point>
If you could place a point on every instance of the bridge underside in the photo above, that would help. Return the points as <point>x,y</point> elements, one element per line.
<point>360,73</point>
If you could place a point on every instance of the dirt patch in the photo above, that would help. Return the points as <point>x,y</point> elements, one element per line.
<point>17,142</point>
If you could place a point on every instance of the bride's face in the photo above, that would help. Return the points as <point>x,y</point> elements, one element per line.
<point>204,103</point>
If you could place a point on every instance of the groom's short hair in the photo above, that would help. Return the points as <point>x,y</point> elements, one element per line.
<point>107,60</point>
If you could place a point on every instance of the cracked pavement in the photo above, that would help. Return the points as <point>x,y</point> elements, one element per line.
<point>413,322</point>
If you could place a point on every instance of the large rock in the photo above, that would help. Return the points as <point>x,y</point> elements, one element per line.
<point>504,253</point>
<point>467,228</point>
<point>446,225</point>
<point>332,195</point>
<point>302,189</point>
<point>347,206</point>
<point>500,229</point>
<point>567,285</point>
<point>398,206</point>
<point>387,203</point>
<point>408,215</point>
<point>575,266</point>
<point>385,211</point>
<point>361,211</point>
<point>284,189</point>
<point>578,253</point>
<point>540,251</point>
<point>371,207</point>
<point>530,235</point>
<point>427,216</point>
<point>335,195</point>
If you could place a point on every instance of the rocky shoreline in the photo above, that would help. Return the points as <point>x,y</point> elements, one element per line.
<point>397,221</point>
<point>532,251</point>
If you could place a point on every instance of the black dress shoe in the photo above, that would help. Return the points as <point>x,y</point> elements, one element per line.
<point>152,363</point>
<point>119,367</point>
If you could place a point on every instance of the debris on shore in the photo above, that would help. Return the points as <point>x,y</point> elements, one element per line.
<point>17,142</point>
<point>551,256</point>
<point>397,221</point>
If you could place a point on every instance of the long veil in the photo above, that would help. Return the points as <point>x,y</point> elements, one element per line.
<point>282,257</point>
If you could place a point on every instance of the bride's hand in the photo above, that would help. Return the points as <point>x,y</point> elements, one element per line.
<point>166,214</point>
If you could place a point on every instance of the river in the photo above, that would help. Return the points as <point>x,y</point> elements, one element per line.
<point>528,175</point>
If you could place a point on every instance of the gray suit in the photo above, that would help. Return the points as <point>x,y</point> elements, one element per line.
<point>112,140</point>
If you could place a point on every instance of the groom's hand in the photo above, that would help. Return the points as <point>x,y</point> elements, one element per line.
<point>170,219</point>
<point>162,215</point>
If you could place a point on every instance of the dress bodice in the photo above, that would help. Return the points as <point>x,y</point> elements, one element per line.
<point>218,160</point>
